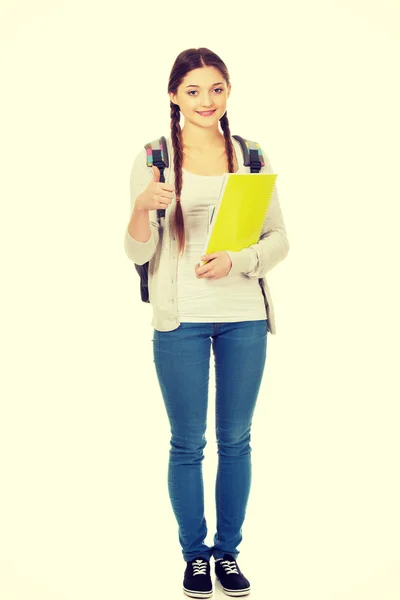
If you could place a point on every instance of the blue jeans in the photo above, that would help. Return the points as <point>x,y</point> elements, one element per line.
<point>182,362</point>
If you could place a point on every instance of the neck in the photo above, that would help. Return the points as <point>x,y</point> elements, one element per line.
<point>199,138</point>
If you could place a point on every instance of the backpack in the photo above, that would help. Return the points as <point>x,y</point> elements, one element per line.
<point>157,154</point>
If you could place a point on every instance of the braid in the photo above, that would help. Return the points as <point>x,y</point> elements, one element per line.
<point>228,142</point>
<point>176,136</point>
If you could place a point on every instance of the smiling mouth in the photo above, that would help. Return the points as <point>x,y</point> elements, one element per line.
<point>206,112</point>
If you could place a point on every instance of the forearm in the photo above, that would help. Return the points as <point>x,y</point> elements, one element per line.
<point>139,225</point>
<point>256,260</point>
<point>141,236</point>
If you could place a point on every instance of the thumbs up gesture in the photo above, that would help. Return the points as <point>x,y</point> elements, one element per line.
<point>156,195</point>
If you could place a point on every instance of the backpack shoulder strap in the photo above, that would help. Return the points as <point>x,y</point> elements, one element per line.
<point>252,154</point>
<point>157,154</point>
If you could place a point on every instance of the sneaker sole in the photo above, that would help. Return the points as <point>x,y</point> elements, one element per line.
<point>234,593</point>
<point>196,594</point>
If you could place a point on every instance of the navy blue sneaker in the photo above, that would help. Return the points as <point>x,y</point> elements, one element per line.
<point>197,579</point>
<point>231,578</point>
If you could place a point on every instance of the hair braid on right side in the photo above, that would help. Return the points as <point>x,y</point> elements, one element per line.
<point>176,136</point>
<point>228,142</point>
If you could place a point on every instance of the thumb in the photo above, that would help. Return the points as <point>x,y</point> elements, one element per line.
<point>156,173</point>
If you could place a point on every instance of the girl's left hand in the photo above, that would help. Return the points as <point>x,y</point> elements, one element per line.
<point>218,266</point>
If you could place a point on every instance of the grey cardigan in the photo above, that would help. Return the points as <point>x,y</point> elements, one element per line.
<point>161,250</point>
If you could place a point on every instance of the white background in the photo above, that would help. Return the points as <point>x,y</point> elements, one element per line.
<point>84,436</point>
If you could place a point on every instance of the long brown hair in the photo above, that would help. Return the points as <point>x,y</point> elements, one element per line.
<point>193,58</point>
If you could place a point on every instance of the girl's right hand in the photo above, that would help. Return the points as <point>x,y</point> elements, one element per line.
<point>156,195</point>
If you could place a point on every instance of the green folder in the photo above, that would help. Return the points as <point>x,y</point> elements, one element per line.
<point>240,211</point>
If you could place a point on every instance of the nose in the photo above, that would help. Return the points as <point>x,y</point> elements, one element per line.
<point>207,103</point>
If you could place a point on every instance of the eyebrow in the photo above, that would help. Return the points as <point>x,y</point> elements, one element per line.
<point>218,83</point>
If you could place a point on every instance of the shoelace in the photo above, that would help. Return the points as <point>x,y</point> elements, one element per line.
<point>229,566</point>
<point>199,567</point>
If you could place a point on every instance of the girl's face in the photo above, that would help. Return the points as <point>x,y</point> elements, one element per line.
<point>202,90</point>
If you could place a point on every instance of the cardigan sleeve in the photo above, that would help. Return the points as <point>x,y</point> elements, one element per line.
<point>140,177</point>
<point>272,247</point>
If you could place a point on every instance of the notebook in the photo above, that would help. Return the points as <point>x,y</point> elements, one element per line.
<point>238,216</point>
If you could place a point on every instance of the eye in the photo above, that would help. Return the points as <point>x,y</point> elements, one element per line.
<point>215,89</point>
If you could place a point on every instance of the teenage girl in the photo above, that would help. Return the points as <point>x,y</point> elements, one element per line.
<point>220,306</point>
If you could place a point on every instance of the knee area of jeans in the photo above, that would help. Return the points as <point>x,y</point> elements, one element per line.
<point>234,447</point>
<point>187,445</point>
<point>234,437</point>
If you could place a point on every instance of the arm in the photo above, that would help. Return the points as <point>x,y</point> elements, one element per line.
<point>272,247</point>
<point>143,224</point>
